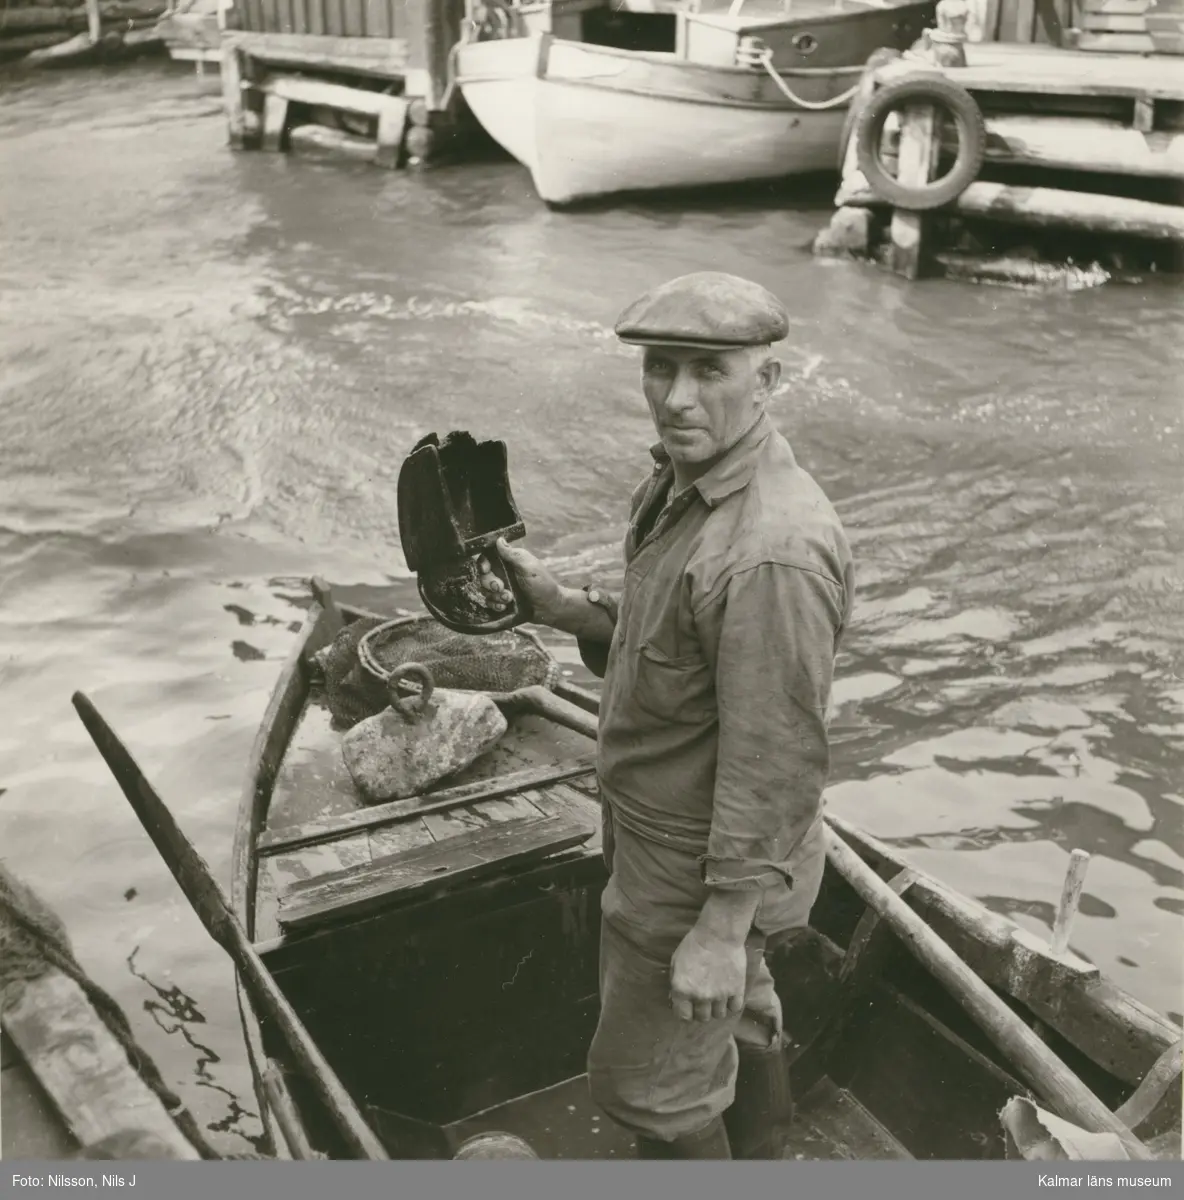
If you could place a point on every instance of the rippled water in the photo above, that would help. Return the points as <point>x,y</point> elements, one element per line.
<point>214,364</point>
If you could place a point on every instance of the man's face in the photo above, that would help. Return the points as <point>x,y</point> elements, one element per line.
<point>703,400</point>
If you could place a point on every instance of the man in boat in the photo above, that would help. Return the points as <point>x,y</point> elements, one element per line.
<point>717,662</point>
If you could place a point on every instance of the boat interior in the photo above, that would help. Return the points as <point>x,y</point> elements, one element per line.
<point>443,954</point>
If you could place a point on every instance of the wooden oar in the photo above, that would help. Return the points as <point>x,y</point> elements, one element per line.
<point>1048,1075</point>
<point>210,904</point>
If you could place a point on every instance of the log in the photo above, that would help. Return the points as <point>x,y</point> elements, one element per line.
<point>1052,208</point>
<point>33,18</point>
<point>1081,144</point>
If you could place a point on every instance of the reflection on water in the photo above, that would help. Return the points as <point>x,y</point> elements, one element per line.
<point>214,365</point>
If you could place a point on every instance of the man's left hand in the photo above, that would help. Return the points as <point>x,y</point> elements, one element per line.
<point>707,977</point>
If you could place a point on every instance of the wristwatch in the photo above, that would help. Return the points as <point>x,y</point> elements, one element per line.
<point>602,599</point>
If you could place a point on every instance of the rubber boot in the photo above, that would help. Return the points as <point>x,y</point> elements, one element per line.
<point>709,1143</point>
<point>759,1119</point>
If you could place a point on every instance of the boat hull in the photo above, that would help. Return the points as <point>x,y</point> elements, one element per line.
<point>680,126</point>
<point>392,996</point>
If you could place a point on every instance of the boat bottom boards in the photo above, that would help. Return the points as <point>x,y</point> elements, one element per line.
<point>562,1122</point>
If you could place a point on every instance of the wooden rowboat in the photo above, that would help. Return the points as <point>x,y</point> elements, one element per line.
<point>442,953</point>
<point>714,95</point>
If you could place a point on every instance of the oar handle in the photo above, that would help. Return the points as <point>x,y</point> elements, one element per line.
<point>1045,1071</point>
<point>203,893</point>
<point>545,703</point>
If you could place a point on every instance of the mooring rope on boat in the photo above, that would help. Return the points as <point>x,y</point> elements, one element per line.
<point>755,55</point>
<point>33,941</point>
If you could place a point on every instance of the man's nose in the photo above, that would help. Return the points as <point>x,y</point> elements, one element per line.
<point>682,395</point>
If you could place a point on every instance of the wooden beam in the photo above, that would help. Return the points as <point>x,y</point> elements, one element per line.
<point>919,147</point>
<point>385,58</point>
<point>285,838</point>
<point>1115,43</point>
<point>462,858</point>
<point>1051,208</point>
<point>81,1065</point>
<point>232,96</point>
<point>1085,144</point>
<point>1154,1108</point>
<point>316,92</point>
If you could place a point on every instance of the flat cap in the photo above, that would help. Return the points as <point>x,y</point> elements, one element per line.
<point>707,309</point>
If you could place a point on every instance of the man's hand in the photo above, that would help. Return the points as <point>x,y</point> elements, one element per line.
<point>543,592</point>
<point>707,976</point>
<point>566,609</point>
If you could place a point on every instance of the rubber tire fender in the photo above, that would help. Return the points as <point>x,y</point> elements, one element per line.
<point>972,141</point>
<point>877,58</point>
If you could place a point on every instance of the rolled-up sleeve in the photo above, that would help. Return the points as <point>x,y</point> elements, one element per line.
<point>772,634</point>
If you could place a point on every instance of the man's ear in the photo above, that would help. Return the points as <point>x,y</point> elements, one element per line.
<point>770,375</point>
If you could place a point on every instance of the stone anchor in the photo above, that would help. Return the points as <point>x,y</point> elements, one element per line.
<point>420,739</point>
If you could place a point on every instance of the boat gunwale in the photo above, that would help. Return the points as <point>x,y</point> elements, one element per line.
<point>254,804</point>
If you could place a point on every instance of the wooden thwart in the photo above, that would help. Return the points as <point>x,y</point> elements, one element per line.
<point>463,857</point>
<point>81,1065</point>
<point>273,841</point>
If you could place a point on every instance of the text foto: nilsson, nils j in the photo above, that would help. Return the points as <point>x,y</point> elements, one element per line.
<point>90,1181</point>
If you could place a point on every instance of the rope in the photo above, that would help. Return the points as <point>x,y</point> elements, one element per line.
<point>32,940</point>
<point>763,57</point>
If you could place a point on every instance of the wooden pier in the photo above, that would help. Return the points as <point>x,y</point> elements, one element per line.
<point>1074,143</point>
<point>383,63</point>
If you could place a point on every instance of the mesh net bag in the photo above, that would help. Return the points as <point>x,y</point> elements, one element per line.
<point>356,666</point>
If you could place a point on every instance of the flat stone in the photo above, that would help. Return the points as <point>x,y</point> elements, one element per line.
<point>391,757</point>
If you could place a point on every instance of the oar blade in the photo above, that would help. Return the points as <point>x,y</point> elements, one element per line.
<point>189,869</point>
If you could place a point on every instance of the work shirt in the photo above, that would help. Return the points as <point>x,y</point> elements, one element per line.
<point>713,750</point>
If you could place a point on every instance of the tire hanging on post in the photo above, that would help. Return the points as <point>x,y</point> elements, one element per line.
<point>944,94</point>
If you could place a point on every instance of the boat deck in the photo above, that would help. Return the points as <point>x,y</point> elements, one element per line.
<point>319,828</point>
<point>562,1122</point>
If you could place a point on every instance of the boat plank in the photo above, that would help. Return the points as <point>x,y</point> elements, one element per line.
<point>396,839</point>
<point>560,799</point>
<point>313,782</point>
<point>462,857</point>
<point>81,1066</point>
<point>32,1128</point>
<point>285,837</point>
<point>279,872</point>
<point>835,1126</point>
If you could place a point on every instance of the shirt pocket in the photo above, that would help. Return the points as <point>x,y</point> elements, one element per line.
<point>679,690</point>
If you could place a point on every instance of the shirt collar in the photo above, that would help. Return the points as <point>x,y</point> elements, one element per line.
<point>734,470</point>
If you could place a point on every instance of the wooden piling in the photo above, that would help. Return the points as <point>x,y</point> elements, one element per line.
<point>910,232</point>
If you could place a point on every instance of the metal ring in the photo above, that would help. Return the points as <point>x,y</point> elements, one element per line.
<point>406,705</point>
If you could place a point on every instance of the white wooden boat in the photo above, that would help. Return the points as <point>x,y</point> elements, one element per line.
<point>737,94</point>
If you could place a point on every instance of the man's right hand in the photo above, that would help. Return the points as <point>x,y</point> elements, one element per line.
<point>544,593</point>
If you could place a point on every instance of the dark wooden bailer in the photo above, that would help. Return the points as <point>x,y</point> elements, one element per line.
<point>442,952</point>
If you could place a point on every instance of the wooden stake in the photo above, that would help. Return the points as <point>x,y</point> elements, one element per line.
<point>919,148</point>
<point>94,21</point>
<point>1070,899</point>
